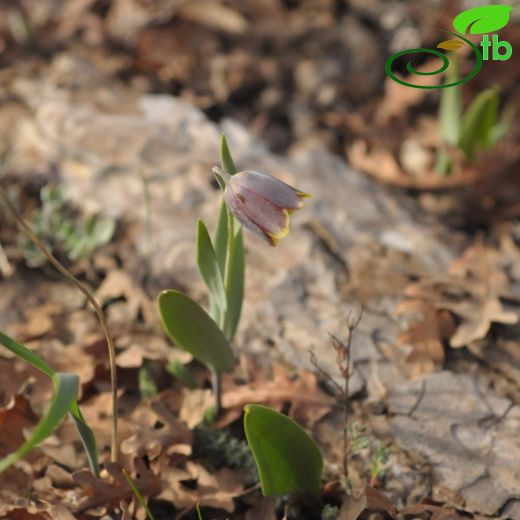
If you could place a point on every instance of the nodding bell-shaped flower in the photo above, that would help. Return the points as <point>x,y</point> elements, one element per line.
<point>261,203</point>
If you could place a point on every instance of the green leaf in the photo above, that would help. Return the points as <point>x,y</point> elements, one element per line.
<point>192,329</point>
<point>65,391</point>
<point>221,233</point>
<point>450,111</point>
<point>235,288</point>
<point>450,114</point>
<point>483,19</point>
<point>287,459</point>
<point>86,435</point>
<point>226,161</point>
<point>209,267</point>
<point>27,355</point>
<point>479,122</point>
<point>504,124</point>
<point>236,268</point>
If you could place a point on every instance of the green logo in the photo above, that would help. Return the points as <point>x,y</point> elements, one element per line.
<point>479,20</point>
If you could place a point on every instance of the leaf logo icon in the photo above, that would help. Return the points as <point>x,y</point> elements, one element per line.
<point>450,45</point>
<point>483,19</point>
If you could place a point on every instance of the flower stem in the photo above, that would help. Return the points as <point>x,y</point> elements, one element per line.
<point>97,308</point>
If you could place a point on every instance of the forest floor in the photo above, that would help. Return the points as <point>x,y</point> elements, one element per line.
<point>113,111</point>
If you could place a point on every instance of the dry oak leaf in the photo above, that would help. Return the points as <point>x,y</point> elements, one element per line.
<point>14,418</point>
<point>471,291</point>
<point>99,492</point>
<point>369,499</point>
<point>173,437</point>
<point>308,402</point>
<point>430,510</point>
<point>211,490</point>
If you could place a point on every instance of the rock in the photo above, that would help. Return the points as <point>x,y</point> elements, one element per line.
<point>467,433</point>
<point>355,242</point>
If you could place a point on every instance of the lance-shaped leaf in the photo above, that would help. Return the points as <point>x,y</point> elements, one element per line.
<point>228,165</point>
<point>235,286</point>
<point>64,394</point>
<point>236,267</point>
<point>287,459</point>
<point>86,434</point>
<point>208,266</point>
<point>192,329</point>
<point>483,19</point>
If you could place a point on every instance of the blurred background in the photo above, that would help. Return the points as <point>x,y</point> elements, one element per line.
<point>290,70</point>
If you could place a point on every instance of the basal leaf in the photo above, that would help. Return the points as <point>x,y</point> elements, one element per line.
<point>192,329</point>
<point>483,19</point>
<point>86,434</point>
<point>208,266</point>
<point>287,459</point>
<point>65,391</point>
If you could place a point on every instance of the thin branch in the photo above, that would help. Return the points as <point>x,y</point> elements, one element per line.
<point>344,366</point>
<point>325,374</point>
<point>85,291</point>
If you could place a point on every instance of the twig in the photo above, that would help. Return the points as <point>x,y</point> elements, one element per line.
<point>85,291</point>
<point>343,361</point>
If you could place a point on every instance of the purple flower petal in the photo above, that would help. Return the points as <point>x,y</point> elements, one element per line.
<point>272,189</point>
<point>257,213</point>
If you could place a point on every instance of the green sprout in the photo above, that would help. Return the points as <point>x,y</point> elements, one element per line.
<point>62,231</point>
<point>478,129</point>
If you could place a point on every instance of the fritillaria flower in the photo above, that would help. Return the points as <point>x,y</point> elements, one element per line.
<point>261,203</point>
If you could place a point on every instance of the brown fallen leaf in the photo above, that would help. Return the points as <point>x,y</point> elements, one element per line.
<point>369,499</point>
<point>472,292</point>
<point>128,297</point>
<point>430,510</point>
<point>99,492</point>
<point>308,403</point>
<point>206,489</point>
<point>14,418</point>
<point>148,440</point>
